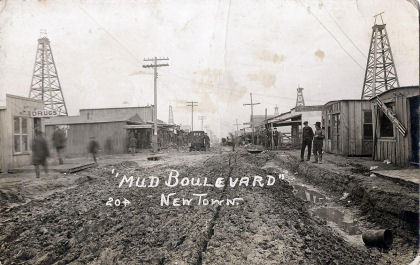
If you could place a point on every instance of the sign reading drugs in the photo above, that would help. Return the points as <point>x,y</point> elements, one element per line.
<point>43,113</point>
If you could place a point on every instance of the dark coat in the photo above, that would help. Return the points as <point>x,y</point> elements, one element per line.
<point>93,147</point>
<point>307,134</point>
<point>40,151</point>
<point>319,135</point>
<point>59,139</point>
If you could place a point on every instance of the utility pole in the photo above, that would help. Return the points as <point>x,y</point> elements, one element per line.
<point>252,115</point>
<point>155,66</point>
<point>237,126</point>
<point>192,104</point>
<point>202,118</point>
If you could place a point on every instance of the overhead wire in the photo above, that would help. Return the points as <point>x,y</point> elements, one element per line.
<point>132,55</point>
<point>345,34</point>
<point>334,37</point>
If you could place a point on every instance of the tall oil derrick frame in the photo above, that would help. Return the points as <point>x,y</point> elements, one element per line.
<point>380,74</point>
<point>300,102</point>
<point>45,85</point>
<point>171,115</point>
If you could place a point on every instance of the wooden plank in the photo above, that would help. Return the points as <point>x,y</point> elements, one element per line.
<point>344,146</point>
<point>357,123</point>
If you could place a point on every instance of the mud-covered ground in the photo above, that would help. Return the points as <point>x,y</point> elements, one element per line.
<point>269,226</point>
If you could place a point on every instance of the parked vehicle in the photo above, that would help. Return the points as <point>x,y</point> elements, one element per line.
<point>197,141</point>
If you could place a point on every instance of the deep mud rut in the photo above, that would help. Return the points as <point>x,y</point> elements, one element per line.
<point>270,226</point>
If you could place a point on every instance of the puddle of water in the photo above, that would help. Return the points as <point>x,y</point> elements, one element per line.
<point>343,220</point>
<point>340,217</point>
<point>309,195</point>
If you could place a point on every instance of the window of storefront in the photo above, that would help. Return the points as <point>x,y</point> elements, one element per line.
<point>20,135</point>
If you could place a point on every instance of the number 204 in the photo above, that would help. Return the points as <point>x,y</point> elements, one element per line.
<point>117,202</point>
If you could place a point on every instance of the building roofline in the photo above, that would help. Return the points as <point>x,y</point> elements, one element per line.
<point>23,98</point>
<point>393,90</point>
<point>117,108</point>
<point>343,100</point>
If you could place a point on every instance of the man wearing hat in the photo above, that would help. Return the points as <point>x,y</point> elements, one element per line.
<point>318,142</point>
<point>307,135</point>
<point>275,138</point>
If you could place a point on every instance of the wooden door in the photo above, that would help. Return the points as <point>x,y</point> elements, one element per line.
<point>335,133</point>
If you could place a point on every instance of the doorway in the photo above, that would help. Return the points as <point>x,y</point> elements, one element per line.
<point>414,114</point>
<point>335,133</point>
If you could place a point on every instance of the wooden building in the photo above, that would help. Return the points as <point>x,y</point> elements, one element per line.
<point>396,134</point>
<point>348,127</point>
<point>111,128</point>
<point>17,129</point>
<point>290,123</point>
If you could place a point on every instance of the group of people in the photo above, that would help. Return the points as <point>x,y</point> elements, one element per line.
<point>310,137</point>
<point>269,138</point>
<point>40,150</point>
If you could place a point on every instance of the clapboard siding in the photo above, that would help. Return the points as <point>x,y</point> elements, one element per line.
<point>351,142</point>
<point>16,106</point>
<point>398,149</point>
<point>78,137</point>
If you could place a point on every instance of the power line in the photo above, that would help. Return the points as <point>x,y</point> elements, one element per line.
<point>133,56</point>
<point>333,36</point>
<point>345,34</point>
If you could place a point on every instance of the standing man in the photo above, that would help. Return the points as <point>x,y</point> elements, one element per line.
<point>40,153</point>
<point>318,143</point>
<point>268,137</point>
<point>307,136</point>
<point>275,138</point>
<point>59,142</point>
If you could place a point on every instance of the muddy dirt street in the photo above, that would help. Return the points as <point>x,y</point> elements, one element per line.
<point>254,222</point>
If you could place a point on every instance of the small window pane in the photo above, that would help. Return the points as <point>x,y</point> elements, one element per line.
<point>386,126</point>
<point>367,116</point>
<point>24,125</point>
<point>24,143</point>
<point>17,143</point>
<point>367,131</point>
<point>16,124</point>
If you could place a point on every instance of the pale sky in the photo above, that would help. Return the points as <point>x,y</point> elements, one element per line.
<point>219,52</point>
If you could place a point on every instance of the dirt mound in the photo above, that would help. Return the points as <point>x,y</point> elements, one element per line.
<point>270,226</point>
<point>11,196</point>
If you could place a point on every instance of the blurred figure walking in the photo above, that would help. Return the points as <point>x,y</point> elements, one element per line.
<point>40,153</point>
<point>133,144</point>
<point>59,142</point>
<point>93,148</point>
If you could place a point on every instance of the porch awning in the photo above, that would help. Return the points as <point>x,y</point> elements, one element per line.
<point>286,123</point>
<point>139,126</point>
